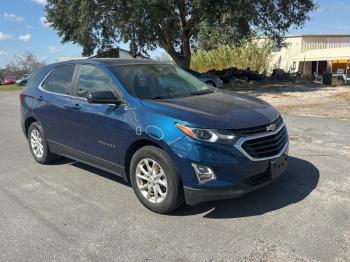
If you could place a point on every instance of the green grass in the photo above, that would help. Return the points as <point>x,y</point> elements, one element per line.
<point>4,88</point>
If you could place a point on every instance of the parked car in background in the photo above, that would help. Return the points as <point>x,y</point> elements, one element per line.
<point>209,79</point>
<point>175,138</point>
<point>9,81</point>
<point>23,81</point>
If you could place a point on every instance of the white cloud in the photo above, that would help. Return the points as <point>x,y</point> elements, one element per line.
<point>12,17</point>
<point>44,21</point>
<point>42,2</point>
<point>25,38</point>
<point>5,58</point>
<point>5,36</point>
<point>45,57</point>
<point>53,48</point>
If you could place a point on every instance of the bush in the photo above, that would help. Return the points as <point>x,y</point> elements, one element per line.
<point>253,55</point>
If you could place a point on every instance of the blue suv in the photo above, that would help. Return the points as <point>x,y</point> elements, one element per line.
<point>173,137</point>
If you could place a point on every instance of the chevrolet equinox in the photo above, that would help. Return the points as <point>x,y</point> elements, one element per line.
<point>173,137</point>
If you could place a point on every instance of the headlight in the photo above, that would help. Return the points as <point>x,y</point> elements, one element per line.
<point>208,135</point>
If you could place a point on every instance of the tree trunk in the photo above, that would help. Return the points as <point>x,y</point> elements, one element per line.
<point>181,60</point>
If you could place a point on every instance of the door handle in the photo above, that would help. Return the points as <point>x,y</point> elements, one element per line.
<point>76,107</point>
<point>40,98</point>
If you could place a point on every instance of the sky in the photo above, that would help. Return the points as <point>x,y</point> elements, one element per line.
<point>23,28</point>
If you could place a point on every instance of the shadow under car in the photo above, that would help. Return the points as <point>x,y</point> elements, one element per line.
<point>300,179</point>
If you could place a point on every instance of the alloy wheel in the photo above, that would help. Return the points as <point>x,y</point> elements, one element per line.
<point>151,180</point>
<point>36,143</point>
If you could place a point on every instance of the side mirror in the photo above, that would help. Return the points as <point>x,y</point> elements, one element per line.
<point>103,97</point>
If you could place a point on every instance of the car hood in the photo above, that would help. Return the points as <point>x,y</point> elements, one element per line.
<point>221,109</point>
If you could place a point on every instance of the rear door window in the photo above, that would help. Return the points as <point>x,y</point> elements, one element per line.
<point>60,80</point>
<point>92,79</point>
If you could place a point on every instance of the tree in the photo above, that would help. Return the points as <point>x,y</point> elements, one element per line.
<point>23,64</point>
<point>2,74</point>
<point>173,25</point>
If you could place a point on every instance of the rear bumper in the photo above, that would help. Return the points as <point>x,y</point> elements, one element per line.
<point>194,196</point>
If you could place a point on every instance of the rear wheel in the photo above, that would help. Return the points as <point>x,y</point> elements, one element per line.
<point>155,181</point>
<point>38,144</point>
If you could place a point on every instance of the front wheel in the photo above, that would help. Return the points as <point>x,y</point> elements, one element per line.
<point>155,181</point>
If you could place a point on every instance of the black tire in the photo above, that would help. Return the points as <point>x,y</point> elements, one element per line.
<point>47,157</point>
<point>174,193</point>
<point>211,83</point>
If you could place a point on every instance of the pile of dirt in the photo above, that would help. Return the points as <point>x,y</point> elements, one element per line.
<point>234,73</point>
<point>281,75</point>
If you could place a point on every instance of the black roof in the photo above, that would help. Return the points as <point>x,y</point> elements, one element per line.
<point>108,62</point>
<point>131,61</point>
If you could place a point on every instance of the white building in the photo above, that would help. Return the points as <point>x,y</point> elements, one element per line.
<point>313,54</point>
<point>118,53</point>
<point>126,54</point>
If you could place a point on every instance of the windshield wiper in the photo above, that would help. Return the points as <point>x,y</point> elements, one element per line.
<point>203,92</point>
<point>197,93</point>
<point>158,97</point>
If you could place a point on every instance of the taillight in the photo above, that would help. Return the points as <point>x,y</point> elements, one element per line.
<point>21,97</point>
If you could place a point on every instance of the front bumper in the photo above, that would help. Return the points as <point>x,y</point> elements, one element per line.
<point>236,172</point>
<point>195,196</point>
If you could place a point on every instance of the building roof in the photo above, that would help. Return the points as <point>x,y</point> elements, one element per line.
<point>311,35</point>
<point>320,35</point>
<point>342,53</point>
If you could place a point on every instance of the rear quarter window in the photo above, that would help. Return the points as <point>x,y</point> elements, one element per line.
<point>60,80</point>
<point>36,77</point>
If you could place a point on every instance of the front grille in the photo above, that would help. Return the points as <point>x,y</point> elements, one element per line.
<point>267,146</point>
<point>259,129</point>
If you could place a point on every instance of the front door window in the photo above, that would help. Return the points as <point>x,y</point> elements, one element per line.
<point>92,79</point>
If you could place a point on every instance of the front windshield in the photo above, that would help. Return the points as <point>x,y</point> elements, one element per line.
<point>158,81</point>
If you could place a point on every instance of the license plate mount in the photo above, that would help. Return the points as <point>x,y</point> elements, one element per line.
<point>278,166</point>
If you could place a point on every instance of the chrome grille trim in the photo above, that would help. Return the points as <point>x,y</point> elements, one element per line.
<point>240,141</point>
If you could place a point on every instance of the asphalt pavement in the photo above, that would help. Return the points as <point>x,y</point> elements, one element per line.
<point>69,211</point>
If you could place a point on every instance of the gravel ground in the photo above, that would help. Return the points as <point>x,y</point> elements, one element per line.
<point>71,212</point>
<point>304,99</point>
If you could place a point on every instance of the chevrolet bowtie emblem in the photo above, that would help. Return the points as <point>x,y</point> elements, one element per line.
<point>271,128</point>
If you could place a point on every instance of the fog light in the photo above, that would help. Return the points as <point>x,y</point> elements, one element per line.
<point>204,173</point>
